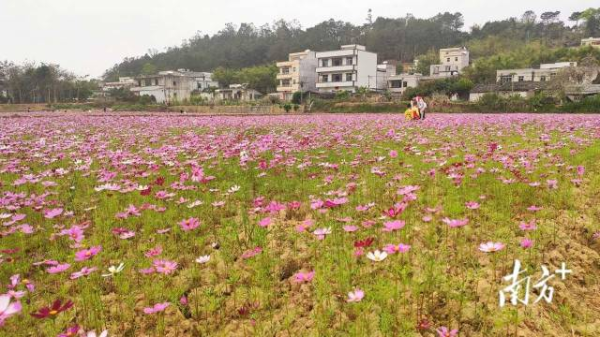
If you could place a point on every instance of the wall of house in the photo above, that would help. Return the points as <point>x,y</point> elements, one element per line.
<point>366,70</point>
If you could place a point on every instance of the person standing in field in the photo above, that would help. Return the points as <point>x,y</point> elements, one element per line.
<point>422,106</point>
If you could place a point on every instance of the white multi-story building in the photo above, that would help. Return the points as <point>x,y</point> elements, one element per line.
<point>384,71</point>
<point>453,61</point>
<point>348,69</point>
<point>297,74</point>
<point>173,86</point>
<point>545,73</point>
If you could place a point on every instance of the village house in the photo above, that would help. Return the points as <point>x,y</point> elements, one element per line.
<point>123,82</point>
<point>385,70</point>
<point>173,86</point>
<point>237,92</point>
<point>543,74</point>
<point>398,84</point>
<point>591,41</point>
<point>453,61</point>
<point>347,69</point>
<point>297,74</point>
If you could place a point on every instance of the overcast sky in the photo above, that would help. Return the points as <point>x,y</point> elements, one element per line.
<point>88,36</point>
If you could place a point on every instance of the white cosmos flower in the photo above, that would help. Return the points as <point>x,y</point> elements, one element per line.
<point>195,203</point>
<point>203,259</point>
<point>142,187</point>
<point>113,270</point>
<point>233,189</point>
<point>377,256</point>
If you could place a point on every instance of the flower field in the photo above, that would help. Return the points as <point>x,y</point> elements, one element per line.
<point>321,225</point>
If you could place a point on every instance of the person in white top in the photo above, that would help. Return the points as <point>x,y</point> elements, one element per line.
<point>422,106</point>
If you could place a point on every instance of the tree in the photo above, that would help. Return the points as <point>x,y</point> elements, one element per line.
<point>149,69</point>
<point>424,62</point>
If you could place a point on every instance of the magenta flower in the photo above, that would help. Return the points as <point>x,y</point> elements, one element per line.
<point>301,277</point>
<point>528,226</point>
<point>393,225</point>
<point>85,271</point>
<point>445,332</point>
<point>350,228</point>
<point>491,247</point>
<point>164,266</point>
<point>59,268</point>
<point>393,154</point>
<point>7,308</point>
<point>158,307</point>
<point>393,249</point>
<point>534,208</point>
<point>580,170</point>
<point>526,243</point>
<point>472,205</point>
<point>87,254</point>
<point>266,222</point>
<point>153,252</point>
<point>453,223</point>
<point>251,253</point>
<point>52,213</point>
<point>189,224</point>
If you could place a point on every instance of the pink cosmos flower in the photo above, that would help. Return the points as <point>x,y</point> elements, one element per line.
<point>445,332</point>
<point>59,268</point>
<point>393,153</point>
<point>350,228</point>
<point>52,213</point>
<point>528,226</point>
<point>153,251</point>
<point>472,205</point>
<point>534,208</point>
<point>164,266</point>
<point>322,232</point>
<point>552,184</point>
<point>189,224</point>
<point>126,235</point>
<point>301,277</point>
<point>158,307</point>
<point>453,223</point>
<point>393,225</point>
<point>7,308</point>
<point>393,249</point>
<point>526,243</point>
<point>87,254</point>
<point>491,247</point>
<point>251,253</point>
<point>266,222</point>
<point>335,202</point>
<point>85,271</point>
<point>580,170</point>
<point>74,233</point>
<point>355,296</point>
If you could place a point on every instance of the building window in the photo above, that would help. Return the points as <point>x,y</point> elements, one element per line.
<point>336,78</point>
<point>148,83</point>
<point>156,81</point>
<point>543,79</point>
<point>396,84</point>
<point>336,62</point>
<point>448,59</point>
<point>324,78</point>
<point>521,78</point>
<point>349,61</point>
<point>174,83</point>
<point>505,79</point>
<point>285,83</point>
<point>404,84</point>
<point>324,63</point>
<point>349,77</point>
<point>285,70</point>
<point>139,83</point>
<point>456,59</point>
<point>447,68</point>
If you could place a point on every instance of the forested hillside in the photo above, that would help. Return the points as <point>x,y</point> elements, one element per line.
<point>404,39</point>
